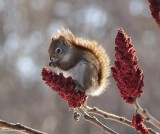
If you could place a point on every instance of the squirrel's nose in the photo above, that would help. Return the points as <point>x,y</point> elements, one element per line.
<point>50,64</point>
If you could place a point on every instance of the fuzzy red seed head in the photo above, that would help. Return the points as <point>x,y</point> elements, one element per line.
<point>155,10</point>
<point>65,87</point>
<point>126,73</point>
<point>138,124</point>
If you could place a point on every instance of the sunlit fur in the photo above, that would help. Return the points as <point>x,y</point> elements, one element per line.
<point>94,48</point>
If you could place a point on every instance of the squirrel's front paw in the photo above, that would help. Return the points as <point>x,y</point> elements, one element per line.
<point>52,64</point>
<point>78,87</point>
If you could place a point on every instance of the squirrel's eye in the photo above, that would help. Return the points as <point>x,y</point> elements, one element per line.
<point>58,50</point>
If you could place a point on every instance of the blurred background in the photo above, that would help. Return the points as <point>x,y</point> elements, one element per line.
<point>26,27</point>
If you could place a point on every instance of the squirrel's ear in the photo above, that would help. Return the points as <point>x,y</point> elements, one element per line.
<point>53,38</point>
<point>62,39</point>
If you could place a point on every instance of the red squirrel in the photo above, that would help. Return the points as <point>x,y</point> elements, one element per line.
<point>85,61</point>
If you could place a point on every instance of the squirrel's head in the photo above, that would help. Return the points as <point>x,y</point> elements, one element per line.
<point>59,49</point>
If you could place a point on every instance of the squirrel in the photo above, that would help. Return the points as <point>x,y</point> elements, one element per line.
<point>84,60</point>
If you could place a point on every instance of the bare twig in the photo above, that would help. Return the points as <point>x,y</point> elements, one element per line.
<point>18,127</point>
<point>151,131</point>
<point>106,115</point>
<point>76,115</point>
<point>149,118</point>
<point>113,117</point>
<point>96,122</point>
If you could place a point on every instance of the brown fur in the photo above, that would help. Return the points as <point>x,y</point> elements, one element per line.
<point>97,50</point>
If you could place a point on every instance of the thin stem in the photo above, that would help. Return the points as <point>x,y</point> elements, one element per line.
<point>107,115</point>
<point>18,127</point>
<point>113,117</point>
<point>149,118</point>
<point>96,122</point>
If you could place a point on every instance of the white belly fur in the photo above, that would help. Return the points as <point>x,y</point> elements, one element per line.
<point>76,72</point>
